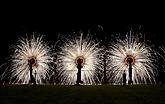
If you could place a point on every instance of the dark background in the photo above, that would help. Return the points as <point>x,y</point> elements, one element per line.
<point>105,19</point>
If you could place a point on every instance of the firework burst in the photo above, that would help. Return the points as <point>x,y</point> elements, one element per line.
<point>29,50</point>
<point>131,51</point>
<point>78,49</point>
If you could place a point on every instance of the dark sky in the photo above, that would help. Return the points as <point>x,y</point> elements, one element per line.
<point>15,24</point>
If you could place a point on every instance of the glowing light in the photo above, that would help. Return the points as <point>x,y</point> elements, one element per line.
<point>32,51</point>
<point>80,60</point>
<point>129,59</point>
<point>75,50</point>
<point>131,50</point>
<point>32,60</point>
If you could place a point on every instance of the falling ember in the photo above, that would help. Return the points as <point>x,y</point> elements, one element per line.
<point>30,51</point>
<point>131,51</point>
<point>78,50</point>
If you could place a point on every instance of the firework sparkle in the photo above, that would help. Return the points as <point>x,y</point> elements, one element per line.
<point>33,50</point>
<point>78,47</point>
<point>140,56</point>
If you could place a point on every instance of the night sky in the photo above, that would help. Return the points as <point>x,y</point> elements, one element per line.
<point>54,20</point>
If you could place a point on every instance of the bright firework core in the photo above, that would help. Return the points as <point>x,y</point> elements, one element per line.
<point>129,60</point>
<point>80,60</point>
<point>32,61</point>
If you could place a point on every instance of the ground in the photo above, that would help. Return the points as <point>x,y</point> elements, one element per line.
<point>89,94</point>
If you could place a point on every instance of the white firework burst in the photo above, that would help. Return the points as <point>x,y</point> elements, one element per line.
<point>34,48</point>
<point>142,56</point>
<point>74,48</point>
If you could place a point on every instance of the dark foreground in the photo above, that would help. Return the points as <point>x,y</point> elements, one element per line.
<point>95,94</point>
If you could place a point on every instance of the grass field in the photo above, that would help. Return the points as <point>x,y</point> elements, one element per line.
<point>95,94</point>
